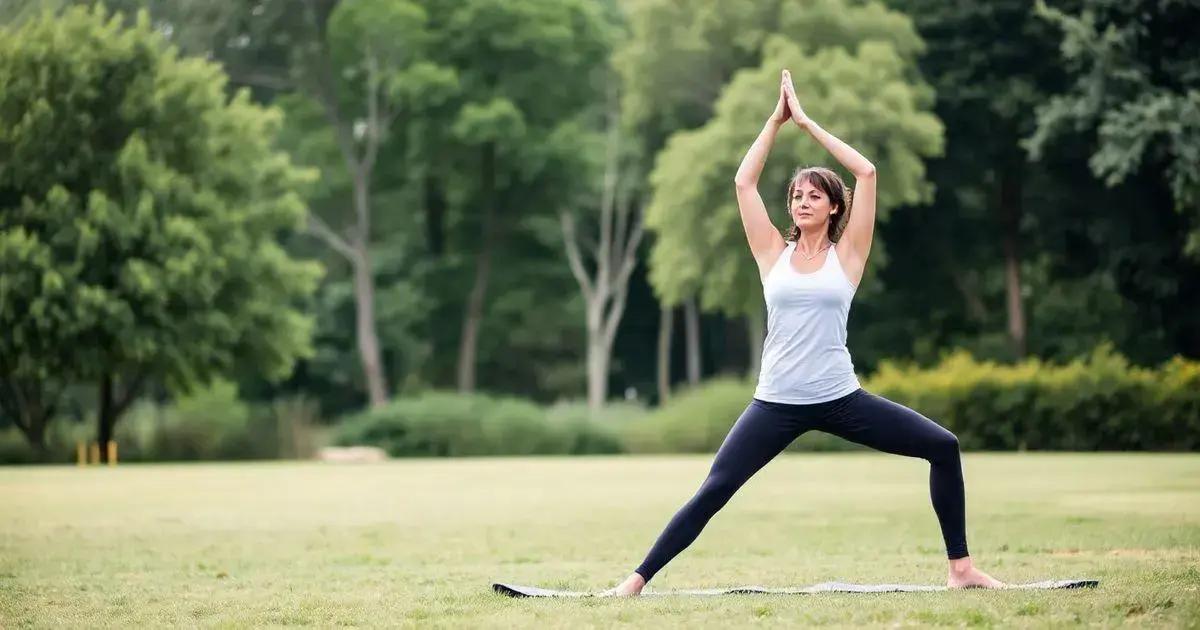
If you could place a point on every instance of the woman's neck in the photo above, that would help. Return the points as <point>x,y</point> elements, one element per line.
<point>811,241</point>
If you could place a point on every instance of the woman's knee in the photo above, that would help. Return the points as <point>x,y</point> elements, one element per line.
<point>717,489</point>
<point>943,446</point>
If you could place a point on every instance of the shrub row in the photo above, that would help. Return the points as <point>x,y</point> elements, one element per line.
<point>1096,403</point>
<point>445,424</point>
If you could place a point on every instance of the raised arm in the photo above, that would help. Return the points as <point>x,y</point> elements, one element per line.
<point>765,241</point>
<point>855,244</point>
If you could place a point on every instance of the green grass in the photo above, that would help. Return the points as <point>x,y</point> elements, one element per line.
<point>418,542</point>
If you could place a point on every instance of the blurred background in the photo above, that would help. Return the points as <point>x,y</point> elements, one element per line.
<point>250,229</point>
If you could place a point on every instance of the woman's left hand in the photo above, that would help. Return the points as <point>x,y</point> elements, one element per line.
<point>794,108</point>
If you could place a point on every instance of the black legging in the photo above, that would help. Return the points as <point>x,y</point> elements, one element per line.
<point>766,428</point>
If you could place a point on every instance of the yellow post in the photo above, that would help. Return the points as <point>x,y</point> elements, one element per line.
<point>112,453</point>
<point>94,453</point>
<point>80,454</point>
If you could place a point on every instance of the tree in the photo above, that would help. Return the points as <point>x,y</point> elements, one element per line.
<point>1135,84</point>
<point>139,207</point>
<point>527,67</point>
<point>364,66</point>
<point>365,55</point>
<point>990,64</point>
<point>1132,103</point>
<point>620,230</point>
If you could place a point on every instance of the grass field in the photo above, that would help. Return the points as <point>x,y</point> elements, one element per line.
<point>418,542</point>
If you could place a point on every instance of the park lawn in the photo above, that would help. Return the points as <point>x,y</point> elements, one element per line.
<point>419,542</point>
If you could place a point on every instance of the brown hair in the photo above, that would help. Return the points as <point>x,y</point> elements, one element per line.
<point>830,183</point>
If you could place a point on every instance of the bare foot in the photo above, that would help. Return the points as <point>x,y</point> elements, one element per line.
<point>963,574</point>
<point>632,586</point>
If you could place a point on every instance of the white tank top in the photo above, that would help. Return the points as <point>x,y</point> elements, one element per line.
<point>805,359</point>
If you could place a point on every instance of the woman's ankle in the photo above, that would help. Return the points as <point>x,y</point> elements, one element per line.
<point>961,565</point>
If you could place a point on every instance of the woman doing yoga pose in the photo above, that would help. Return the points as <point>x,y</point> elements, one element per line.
<point>807,380</point>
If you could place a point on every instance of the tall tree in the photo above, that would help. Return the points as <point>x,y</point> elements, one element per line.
<point>139,207</point>
<point>363,58</point>
<point>364,65</point>
<point>1135,83</point>
<point>620,229</point>
<point>990,64</point>
<point>1133,102</point>
<point>527,68</point>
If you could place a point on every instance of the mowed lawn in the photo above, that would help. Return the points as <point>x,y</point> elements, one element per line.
<point>419,542</point>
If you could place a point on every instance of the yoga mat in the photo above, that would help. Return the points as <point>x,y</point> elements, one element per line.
<point>517,590</point>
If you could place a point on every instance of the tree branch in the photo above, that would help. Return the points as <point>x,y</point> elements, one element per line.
<point>373,130</point>
<point>630,260</point>
<point>319,228</point>
<point>620,288</point>
<point>621,237</point>
<point>609,192</point>
<point>325,89</point>
<point>573,257</point>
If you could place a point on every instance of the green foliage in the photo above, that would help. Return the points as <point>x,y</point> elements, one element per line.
<point>1097,403</point>
<point>1134,85</point>
<point>139,207</point>
<point>213,423</point>
<point>58,445</point>
<point>444,424</point>
<point>866,95</point>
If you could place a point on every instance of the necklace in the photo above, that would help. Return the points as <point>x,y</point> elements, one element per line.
<point>812,255</point>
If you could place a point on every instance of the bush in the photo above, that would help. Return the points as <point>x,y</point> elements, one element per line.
<point>61,436</point>
<point>1097,403</point>
<point>15,449</point>
<point>599,433</point>
<point>214,424</point>
<point>444,424</point>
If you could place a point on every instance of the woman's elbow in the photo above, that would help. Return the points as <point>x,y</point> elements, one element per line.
<point>866,172</point>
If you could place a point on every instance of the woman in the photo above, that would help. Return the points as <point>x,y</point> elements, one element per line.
<point>807,380</point>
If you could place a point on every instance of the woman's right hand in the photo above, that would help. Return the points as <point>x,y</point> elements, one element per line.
<point>782,111</point>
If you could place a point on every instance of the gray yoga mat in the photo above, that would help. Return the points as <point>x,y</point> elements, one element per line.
<point>517,590</point>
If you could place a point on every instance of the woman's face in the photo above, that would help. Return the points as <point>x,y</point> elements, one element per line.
<point>810,207</point>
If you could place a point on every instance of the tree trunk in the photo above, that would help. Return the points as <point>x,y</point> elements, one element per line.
<point>756,331</point>
<point>1010,212</point>
<point>473,317</point>
<point>691,327</point>
<point>106,415</point>
<point>368,340</point>
<point>364,296</point>
<point>598,357</point>
<point>666,321</point>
